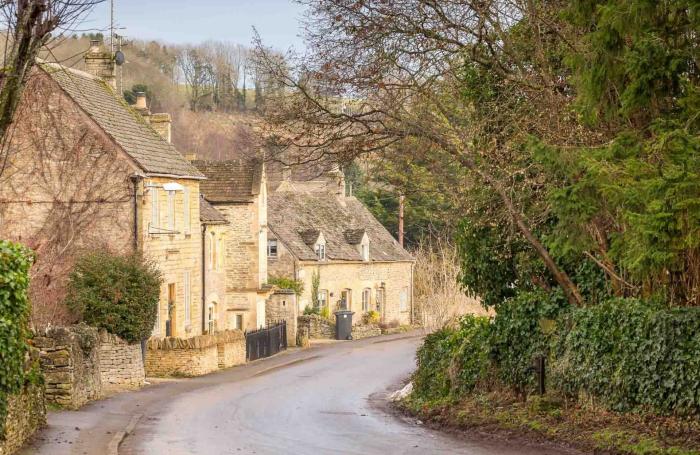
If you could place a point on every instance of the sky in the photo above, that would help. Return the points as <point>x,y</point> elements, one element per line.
<point>194,21</point>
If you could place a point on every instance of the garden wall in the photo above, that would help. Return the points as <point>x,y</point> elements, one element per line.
<point>121,363</point>
<point>365,331</point>
<point>282,306</point>
<point>195,356</point>
<point>317,326</point>
<point>69,358</point>
<point>26,414</point>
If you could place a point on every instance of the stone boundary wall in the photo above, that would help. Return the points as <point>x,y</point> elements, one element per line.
<point>26,414</point>
<point>195,356</point>
<point>316,326</point>
<point>361,331</point>
<point>282,306</point>
<point>69,359</point>
<point>121,363</point>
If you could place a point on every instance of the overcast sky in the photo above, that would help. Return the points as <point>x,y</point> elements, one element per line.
<point>194,21</point>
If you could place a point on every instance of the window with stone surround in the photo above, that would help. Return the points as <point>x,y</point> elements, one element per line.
<point>366,297</point>
<point>322,298</point>
<point>186,212</point>
<point>171,210</point>
<point>155,209</point>
<point>380,300</point>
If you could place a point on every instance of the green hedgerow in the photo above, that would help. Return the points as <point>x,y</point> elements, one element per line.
<point>15,261</point>
<point>117,293</point>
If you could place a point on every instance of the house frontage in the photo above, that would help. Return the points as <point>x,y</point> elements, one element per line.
<point>339,251</point>
<point>85,170</point>
<point>236,190</point>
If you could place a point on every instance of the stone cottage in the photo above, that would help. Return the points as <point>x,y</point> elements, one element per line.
<point>86,170</point>
<point>237,190</point>
<point>338,250</point>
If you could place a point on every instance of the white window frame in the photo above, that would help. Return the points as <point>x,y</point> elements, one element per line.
<point>322,298</point>
<point>379,301</point>
<point>155,209</point>
<point>270,242</point>
<point>187,297</point>
<point>321,251</point>
<point>366,299</point>
<point>365,252</point>
<point>171,210</point>
<point>186,211</point>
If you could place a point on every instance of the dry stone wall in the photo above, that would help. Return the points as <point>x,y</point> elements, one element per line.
<point>317,326</point>
<point>121,363</point>
<point>69,358</point>
<point>195,356</point>
<point>26,414</point>
<point>365,331</point>
<point>282,306</point>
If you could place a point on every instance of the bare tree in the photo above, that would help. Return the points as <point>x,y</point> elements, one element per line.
<point>381,73</point>
<point>198,73</point>
<point>29,25</point>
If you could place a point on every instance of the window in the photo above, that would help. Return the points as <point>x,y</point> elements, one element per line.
<point>212,251</point>
<point>171,210</point>
<point>272,248</point>
<point>220,253</point>
<point>346,299</point>
<point>366,296</point>
<point>186,214</point>
<point>156,328</point>
<point>155,209</point>
<point>187,298</point>
<point>238,323</point>
<point>321,251</point>
<point>365,252</point>
<point>211,318</point>
<point>403,300</point>
<point>322,298</point>
<point>380,300</point>
<point>171,322</point>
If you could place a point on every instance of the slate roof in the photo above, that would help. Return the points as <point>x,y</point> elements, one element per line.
<point>208,214</point>
<point>230,181</point>
<point>126,127</point>
<point>292,213</point>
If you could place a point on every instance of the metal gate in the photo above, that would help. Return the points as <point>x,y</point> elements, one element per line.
<point>266,341</point>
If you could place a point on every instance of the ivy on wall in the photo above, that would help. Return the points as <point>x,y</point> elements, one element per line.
<point>15,261</point>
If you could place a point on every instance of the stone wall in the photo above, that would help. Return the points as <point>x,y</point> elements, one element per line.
<point>26,414</point>
<point>316,326</point>
<point>69,358</point>
<point>360,331</point>
<point>230,348</point>
<point>121,363</point>
<point>282,306</point>
<point>195,356</point>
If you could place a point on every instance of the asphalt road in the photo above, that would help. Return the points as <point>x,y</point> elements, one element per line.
<point>330,399</point>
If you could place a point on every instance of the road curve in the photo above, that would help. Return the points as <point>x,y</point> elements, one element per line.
<point>329,399</point>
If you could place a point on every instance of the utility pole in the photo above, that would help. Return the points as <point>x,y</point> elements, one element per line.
<point>401,204</point>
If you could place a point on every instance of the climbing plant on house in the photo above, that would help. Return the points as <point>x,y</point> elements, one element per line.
<point>15,261</point>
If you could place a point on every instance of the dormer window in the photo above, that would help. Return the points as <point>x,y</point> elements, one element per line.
<point>321,251</point>
<point>359,239</point>
<point>365,252</point>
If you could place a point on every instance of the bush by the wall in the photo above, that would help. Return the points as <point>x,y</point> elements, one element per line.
<point>15,261</point>
<point>117,293</point>
<point>631,354</point>
<point>452,360</point>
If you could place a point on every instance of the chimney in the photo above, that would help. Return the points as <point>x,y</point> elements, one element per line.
<point>100,63</point>
<point>162,123</point>
<point>141,107</point>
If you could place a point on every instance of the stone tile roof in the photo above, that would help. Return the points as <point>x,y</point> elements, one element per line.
<point>126,127</point>
<point>309,236</point>
<point>354,236</point>
<point>230,181</point>
<point>292,213</point>
<point>208,214</point>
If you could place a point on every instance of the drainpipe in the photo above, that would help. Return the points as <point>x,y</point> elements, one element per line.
<point>204,277</point>
<point>136,179</point>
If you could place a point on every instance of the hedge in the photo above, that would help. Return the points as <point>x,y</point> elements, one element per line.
<point>631,354</point>
<point>15,261</point>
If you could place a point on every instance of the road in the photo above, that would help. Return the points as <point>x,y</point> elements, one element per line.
<point>330,399</point>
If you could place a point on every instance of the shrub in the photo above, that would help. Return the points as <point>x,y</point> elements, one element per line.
<point>15,261</point>
<point>451,361</point>
<point>311,310</point>
<point>325,312</point>
<point>287,283</point>
<point>518,335</point>
<point>631,354</point>
<point>370,317</point>
<point>117,293</point>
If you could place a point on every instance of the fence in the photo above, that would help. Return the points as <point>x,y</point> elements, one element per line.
<point>266,341</point>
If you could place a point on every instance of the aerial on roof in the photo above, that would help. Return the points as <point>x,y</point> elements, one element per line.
<point>295,217</point>
<point>151,152</point>
<point>208,213</point>
<point>230,181</point>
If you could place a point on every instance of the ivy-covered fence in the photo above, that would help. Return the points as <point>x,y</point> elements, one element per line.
<point>626,354</point>
<point>15,261</point>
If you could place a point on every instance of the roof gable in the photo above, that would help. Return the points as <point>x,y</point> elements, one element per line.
<point>294,216</point>
<point>127,128</point>
<point>208,214</point>
<point>230,181</point>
